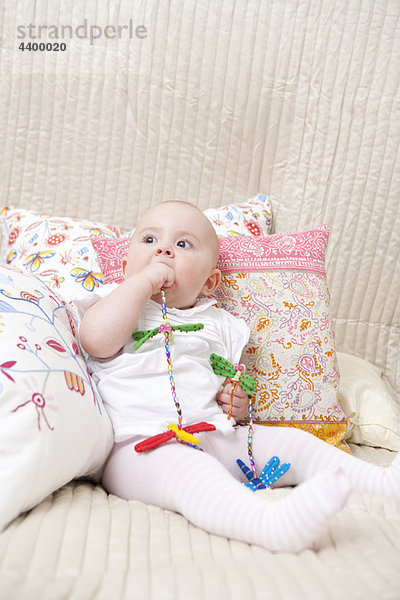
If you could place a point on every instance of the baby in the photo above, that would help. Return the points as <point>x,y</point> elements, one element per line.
<point>175,248</point>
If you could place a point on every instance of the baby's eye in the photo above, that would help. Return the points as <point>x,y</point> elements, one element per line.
<point>184,244</point>
<point>149,239</point>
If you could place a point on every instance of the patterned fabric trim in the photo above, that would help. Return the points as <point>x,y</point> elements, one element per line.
<point>303,251</point>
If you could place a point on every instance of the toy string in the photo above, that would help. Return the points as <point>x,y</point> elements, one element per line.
<point>235,384</point>
<point>166,330</point>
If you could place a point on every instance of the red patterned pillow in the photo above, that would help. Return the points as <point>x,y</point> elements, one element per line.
<point>110,254</point>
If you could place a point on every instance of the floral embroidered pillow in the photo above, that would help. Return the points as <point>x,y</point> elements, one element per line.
<point>277,284</point>
<point>56,249</point>
<point>253,217</point>
<point>53,426</point>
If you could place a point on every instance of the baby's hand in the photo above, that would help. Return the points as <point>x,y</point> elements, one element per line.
<point>159,275</point>
<point>240,404</point>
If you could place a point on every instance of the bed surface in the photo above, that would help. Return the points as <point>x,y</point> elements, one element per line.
<point>80,543</point>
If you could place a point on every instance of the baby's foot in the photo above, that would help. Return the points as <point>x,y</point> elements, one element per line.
<point>391,479</point>
<point>295,523</point>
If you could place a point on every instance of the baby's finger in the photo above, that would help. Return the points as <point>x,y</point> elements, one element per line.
<point>238,390</point>
<point>239,405</point>
<point>238,412</point>
<point>168,275</point>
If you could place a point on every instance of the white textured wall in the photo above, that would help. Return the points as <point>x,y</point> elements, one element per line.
<point>298,98</point>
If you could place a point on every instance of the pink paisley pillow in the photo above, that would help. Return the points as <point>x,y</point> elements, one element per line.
<point>110,254</point>
<point>277,284</point>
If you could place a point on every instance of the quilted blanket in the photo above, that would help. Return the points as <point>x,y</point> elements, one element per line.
<point>82,544</point>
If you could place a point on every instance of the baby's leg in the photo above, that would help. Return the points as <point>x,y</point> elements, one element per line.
<point>199,487</point>
<point>308,456</point>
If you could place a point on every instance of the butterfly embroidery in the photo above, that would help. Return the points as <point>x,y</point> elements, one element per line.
<point>35,260</point>
<point>88,279</point>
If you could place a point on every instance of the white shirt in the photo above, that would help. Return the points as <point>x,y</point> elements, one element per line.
<point>135,386</point>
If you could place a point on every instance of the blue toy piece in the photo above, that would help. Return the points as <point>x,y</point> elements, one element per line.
<point>272,471</point>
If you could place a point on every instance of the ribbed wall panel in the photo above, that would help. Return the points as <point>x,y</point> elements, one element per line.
<point>221,100</point>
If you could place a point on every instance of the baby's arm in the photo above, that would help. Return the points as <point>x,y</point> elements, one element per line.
<point>107,324</point>
<point>240,404</point>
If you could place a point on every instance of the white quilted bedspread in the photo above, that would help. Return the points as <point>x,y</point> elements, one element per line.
<point>81,544</point>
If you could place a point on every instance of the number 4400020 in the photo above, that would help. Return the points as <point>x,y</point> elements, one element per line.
<point>43,47</point>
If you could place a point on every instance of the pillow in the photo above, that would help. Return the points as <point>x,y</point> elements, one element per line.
<point>251,217</point>
<point>56,249</point>
<point>110,254</point>
<point>371,407</point>
<point>53,426</point>
<point>277,284</point>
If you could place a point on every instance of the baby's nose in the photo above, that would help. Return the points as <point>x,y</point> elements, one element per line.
<point>166,250</point>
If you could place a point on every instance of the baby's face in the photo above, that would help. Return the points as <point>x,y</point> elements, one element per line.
<point>180,236</point>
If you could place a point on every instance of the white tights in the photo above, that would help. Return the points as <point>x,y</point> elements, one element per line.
<point>205,486</point>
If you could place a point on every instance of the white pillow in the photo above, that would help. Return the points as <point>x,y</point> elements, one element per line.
<point>53,426</point>
<point>369,404</point>
<point>252,217</point>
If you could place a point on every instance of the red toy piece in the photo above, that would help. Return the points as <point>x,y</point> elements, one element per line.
<point>162,438</point>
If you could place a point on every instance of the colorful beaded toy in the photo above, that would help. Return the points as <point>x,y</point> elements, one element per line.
<point>182,434</point>
<point>237,375</point>
<point>273,470</point>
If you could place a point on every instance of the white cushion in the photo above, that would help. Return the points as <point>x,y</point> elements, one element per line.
<point>369,403</point>
<point>53,426</point>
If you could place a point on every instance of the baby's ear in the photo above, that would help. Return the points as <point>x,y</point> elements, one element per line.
<point>213,281</point>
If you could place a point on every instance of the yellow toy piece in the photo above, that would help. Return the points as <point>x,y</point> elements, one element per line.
<point>183,435</point>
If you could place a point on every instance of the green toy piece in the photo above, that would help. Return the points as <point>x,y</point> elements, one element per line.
<point>222,366</point>
<point>140,337</point>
